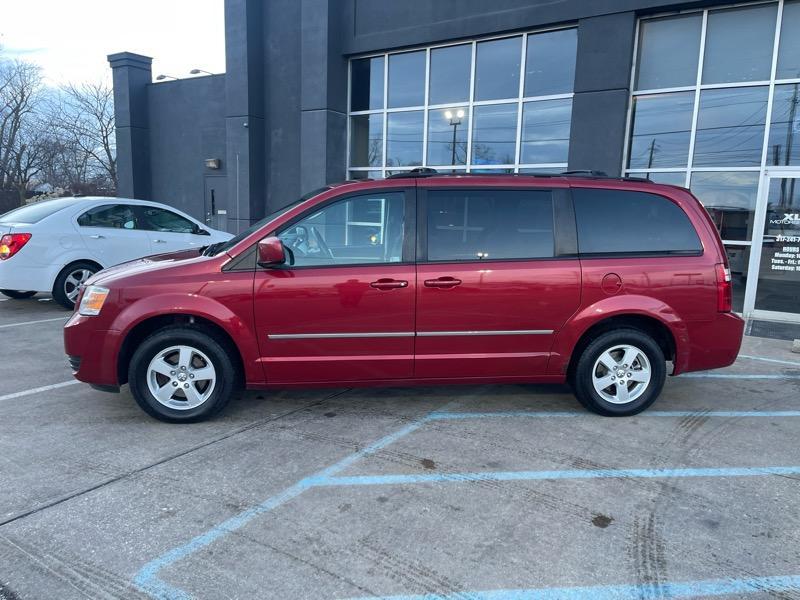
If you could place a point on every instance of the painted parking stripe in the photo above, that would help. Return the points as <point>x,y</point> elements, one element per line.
<point>735,376</point>
<point>646,591</point>
<point>360,480</point>
<point>147,579</point>
<point>443,416</point>
<point>771,360</point>
<point>38,390</point>
<point>63,319</point>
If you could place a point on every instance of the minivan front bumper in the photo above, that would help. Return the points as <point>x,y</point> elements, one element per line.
<point>93,351</point>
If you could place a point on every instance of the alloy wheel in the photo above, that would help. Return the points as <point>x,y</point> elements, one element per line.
<point>181,377</point>
<point>621,374</point>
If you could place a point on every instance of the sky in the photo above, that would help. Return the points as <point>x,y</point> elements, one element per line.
<point>70,39</point>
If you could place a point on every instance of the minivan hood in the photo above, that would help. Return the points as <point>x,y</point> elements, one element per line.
<point>141,265</point>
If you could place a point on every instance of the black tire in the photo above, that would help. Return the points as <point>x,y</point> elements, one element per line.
<point>17,294</point>
<point>588,365</point>
<point>218,352</point>
<point>64,286</point>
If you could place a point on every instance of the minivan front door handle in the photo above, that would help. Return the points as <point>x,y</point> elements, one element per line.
<point>442,282</point>
<point>388,284</point>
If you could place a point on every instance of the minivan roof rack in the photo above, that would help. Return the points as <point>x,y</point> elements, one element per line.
<point>589,174</point>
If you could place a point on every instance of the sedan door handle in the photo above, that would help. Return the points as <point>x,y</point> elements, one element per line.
<point>442,282</point>
<point>97,237</point>
<point>388,284</point>
<point>160,241</point>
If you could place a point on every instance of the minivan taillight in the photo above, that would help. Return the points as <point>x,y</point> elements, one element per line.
<point>11,243</point>
<point>724,288</point>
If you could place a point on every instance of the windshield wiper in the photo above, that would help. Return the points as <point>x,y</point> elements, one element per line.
<point>211,249</point>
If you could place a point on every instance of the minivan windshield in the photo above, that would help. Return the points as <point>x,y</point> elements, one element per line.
<point>33,213</point>
<point>221,247</point>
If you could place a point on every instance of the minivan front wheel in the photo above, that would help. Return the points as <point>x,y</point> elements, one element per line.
<point>620,373</point>
<point>182,374</point>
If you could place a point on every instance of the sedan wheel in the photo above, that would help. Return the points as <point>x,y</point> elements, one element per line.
<point>68,283</point>
<point>73,282</point>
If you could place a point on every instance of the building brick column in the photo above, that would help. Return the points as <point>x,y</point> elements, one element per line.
<point>602,92</point>
<point>132,73</point>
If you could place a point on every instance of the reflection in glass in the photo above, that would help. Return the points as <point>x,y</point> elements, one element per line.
<point>450,74</point>
<point>779,272</point>
<point>543,170</point>
<point>669,178</point>
<point>366,87</point>
<point>545,131</point>
<point>447,136</point>
<point>494,134</point>
<point>366,175</point>
<point>366,140</point>
<point>739,44</point>
<point>730,199</point>
<point>669,51</point>
<point>730,127</point>
<point>738,261</point>
<point>404,139</point>
<point>550,62</point>
<point>784,145</point>
<point>661,130</point>
<point>406,79</point>
<point>497,69</point>
<point>789,51</point>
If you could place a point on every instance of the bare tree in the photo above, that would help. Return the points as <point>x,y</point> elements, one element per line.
<point>20,88</point>
<point>86,123</point>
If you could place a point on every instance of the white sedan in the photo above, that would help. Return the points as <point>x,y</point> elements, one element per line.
<point>55,245</point>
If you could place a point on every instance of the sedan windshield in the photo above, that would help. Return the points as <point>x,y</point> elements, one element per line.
<point>219,248</point>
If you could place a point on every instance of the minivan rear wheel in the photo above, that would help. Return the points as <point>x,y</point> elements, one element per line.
<point>182,375</point>
<point>620,373</point>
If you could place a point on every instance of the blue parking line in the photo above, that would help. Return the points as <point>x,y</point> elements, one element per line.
<point>646,591</point>
<point>443,415</point>
<point>734,376</point>
<point>551,475</point>
<point>147,579</point>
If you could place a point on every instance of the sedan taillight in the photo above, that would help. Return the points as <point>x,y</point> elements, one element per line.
<point>11,243</point>
<point>724,288</point>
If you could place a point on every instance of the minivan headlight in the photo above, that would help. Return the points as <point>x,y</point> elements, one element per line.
<point>93,299</point>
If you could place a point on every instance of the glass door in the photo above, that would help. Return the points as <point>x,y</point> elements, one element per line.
<point>773,289</point>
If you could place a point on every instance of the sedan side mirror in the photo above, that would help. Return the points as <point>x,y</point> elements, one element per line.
<point>201,231</point>
<point>271,252</point>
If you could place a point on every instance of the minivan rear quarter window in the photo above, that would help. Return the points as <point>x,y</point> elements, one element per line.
<point>490,224</point>
<point>621,222</point>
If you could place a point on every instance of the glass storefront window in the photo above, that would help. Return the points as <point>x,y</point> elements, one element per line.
<point>738,44</point>
<point>668,177</point>
<point>404,139</point>
<point>550,62</point>
<point>668,52</point>
<point>784,143</point>
<point>494,134</point>
<point>406,79</point>
<point>730,127</point>
<point>447,136</point>
<point>545,131</point>
<point>789,49</point>
<point>662,126</point>
<point>366,174</point>
<point>502,103</point>
<point>450,73</point>
<point>779,273</point>
<point>730,198</point>
<point>497,69</point>
<point>366,140</point>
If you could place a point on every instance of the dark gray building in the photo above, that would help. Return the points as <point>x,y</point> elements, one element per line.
<point>700,94</point>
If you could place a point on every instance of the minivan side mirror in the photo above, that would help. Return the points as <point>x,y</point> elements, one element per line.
<point>271,252</point>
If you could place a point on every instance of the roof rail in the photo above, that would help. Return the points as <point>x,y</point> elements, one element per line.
<point>591,174</point>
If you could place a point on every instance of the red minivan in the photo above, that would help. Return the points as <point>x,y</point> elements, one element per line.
<point>423,279</point>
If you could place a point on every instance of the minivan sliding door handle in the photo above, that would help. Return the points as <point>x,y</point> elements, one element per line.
<point>442,282</point>
<point>388,284</point>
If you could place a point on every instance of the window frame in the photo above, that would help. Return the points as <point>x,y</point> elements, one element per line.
<point>564,226</point>
<point>409,226</point>
<point>469,105</point>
